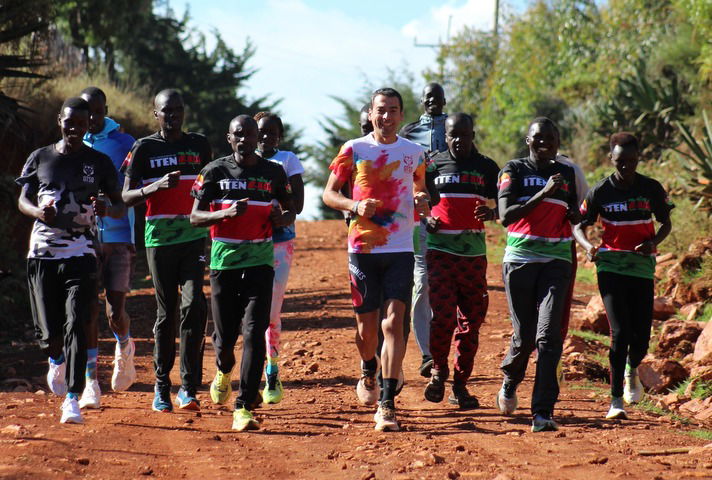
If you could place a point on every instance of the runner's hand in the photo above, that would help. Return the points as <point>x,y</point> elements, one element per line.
<point>99,206</point>
<point>432,224</point>
<point>421,204</point>
<point>367,207</point>
<point>552,185</point>
<point>238,208</point>
<point>483,213</point>
<point>276,215</point>
<point>646,248</point>
<point>592,254</point>
<point>169,180</point>
<point>48,213</point>
<point>574,216</point>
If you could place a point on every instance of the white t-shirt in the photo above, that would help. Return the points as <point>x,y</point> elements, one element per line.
<point>384,172</point>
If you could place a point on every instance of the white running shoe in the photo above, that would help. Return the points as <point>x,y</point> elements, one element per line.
<point>616,410</point>
<point>124,370</point>
<point>506,399</point>
<point>385,418</point>
<point>91,396</point>
<point>368,390</point>
<point>71,412</point>
<point>632,387</point>
<point>56,378</point>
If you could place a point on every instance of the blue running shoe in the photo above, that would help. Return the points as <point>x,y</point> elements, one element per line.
<point>186,400</point>
<point>162,399</point>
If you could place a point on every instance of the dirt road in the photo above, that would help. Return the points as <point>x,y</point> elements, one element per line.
<point>319,430</point>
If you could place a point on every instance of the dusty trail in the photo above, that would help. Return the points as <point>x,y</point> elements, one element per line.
<point>319,430</point>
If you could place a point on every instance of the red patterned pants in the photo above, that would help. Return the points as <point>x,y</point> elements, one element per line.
<point>458,297</point>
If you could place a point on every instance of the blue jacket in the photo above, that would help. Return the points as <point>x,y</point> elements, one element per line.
<point>428,132</point>
<point>112,142</point>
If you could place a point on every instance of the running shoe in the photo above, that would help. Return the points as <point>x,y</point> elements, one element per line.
<point>124,371</point>
<point>162,399</point>
<point>91,396</point>
<point>616,411</point>
<point>385,418</point>
<point>56,378</point>
<point>71,412</point>
<point>506,399</point>
<point>632,387</point>
<point>186,400</point>
<point>425,366</point>
<point>221,388</point>
<point>367,389</point>
<point>542,422</point>
<point>273,392</point>
<point>435,390</point>
<point>243,420</point>
<point>462,398</point>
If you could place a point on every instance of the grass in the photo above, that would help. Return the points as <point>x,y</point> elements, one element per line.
<point>648,406</point>
<point>601,359</point>
<point>586,275</point>
<point>589,386</point>
<point>706,314</point>
<point>701,390</point>
<point>700,433</point>
<point>588,335</point>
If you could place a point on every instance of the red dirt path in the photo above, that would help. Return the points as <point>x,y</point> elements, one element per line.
<point>319,430</point>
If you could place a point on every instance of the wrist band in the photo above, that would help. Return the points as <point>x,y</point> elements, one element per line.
<point>354,207</point>
<point>143,194</point>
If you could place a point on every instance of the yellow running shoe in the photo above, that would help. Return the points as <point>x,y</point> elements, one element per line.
<point>273,392</point>
<point>221,388</point>
<point>243,420</point>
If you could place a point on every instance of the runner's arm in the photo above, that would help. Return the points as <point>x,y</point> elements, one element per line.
<point>28,207</point>
<point>333,198</point>
<point>297,184</point>
<point>201,216</point>
<point>132,195</point>
<point>581,236</point>
<point>510,210</point>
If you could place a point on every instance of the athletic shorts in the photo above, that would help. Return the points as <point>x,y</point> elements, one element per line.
<point>377,277</point>
<point>115,265</point>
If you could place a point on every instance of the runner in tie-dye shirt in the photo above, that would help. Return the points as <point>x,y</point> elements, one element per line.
<point>388,177</point>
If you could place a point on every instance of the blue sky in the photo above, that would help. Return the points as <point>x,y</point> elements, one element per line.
<point>308,50</point>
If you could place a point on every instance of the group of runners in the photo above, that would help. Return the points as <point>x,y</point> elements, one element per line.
<point>416,201</point>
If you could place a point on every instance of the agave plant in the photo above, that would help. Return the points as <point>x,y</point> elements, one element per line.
<point>697,163</point>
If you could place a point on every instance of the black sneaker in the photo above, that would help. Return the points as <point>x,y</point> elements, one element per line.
<point>425,366</point>
<point>435,390</point>
<point>462,398</point>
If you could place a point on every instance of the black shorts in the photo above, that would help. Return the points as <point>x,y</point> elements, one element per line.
<point>377,277</point>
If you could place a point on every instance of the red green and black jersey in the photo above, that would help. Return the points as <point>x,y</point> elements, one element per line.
<point>545,231</point>
<point>462,185</point>
<point>245,240</point>
<point>627,219</point>
<point>168,211</point>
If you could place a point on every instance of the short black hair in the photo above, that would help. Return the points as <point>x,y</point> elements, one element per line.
<point>168,93</point>
<point>544,121</point>
<point>624,139</point>
<point>456,117</point>
<point>243,117</point>
<point>94,92</point>
<point>75,103</point>
<point>271,116</point>
<point>388,92</point>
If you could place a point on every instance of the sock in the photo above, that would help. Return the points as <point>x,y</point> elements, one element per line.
<point>74,396</point>
<point>122,339</point>
<point>92,354</point>
<point>389,389</point>
<point>369,366</point>
<point>57,361</point>
<point>272,367</point>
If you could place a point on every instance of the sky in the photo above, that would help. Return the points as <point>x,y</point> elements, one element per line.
<point>309,50</point>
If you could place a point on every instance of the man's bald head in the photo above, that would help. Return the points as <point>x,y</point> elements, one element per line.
<point>167,94</point>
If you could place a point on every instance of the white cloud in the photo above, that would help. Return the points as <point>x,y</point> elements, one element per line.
<point>433,27</point>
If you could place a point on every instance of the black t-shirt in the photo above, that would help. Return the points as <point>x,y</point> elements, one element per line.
<point>245,240</point>
<point>69,180</point>
<point>168,211</point>
<point>627,219</point>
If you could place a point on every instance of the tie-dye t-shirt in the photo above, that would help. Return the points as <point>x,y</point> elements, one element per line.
<point>384,172</point>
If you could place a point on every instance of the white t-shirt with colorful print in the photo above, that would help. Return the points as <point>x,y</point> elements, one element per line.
<point>385,172</point>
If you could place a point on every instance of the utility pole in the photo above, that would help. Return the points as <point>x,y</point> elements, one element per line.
<point>496,18</point>
<point>439,46</point>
